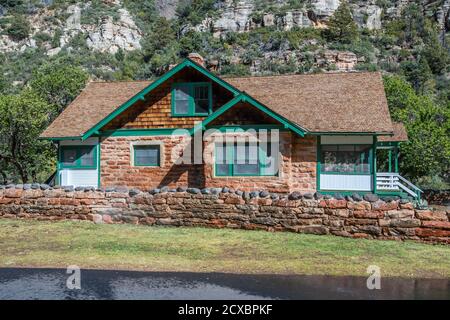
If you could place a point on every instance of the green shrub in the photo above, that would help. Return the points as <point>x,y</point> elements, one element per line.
<point>42,37</point>
<point>19,28</point>
<point>237,70</point>
<point>432,182</point>
<point>367,67</point>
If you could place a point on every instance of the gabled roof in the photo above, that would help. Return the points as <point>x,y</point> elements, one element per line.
<point>113,98</point>
<point>93,104</point>
<point>326,102</point>
<point>318,103</point>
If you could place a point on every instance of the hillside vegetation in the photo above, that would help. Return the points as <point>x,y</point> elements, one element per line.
<point>50,48</point>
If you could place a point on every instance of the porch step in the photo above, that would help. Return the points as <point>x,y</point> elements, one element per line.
<point>389,181</point>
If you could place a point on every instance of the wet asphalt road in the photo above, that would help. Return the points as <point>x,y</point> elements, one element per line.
<point>16,283</point>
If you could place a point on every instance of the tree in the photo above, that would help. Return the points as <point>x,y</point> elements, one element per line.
<point>436,55</point>
<point>24,157</point>
<point>58,84</point>
<point>341,26</point>
<point>427,152</point>
<point>155,41</point>
<point>11,3</point>
<point>193,12</point>
<point>419,74</point>
<point>2,83</point>
<point>413,23</point>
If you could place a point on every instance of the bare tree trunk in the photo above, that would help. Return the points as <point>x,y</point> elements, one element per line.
<point>22,172</point>
<point>5,178</point>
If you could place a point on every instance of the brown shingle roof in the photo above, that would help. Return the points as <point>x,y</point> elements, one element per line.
<point>400,134</point>
<point>327,102</point>
<point>332,102</point>
<point>93,104</point>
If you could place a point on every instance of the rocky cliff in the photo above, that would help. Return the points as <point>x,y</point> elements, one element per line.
<point>238,16</point>
<point>241,16</point>
<point>109,34</point>
<point>108,26</point>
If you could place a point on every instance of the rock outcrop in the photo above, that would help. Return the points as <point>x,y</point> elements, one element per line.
<point>112,36</point>
<point>236,17</point>
<point>108,36</point>
<point>119,31</point>
<point>242,16</point>
<point>167,8</point>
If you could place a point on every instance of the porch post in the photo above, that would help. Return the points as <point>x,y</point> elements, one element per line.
<point>374,164</point>
<point>99,149</point>
<point>318,159</point>
<point>58,161</point>
<point>396,159</point>
<point>390,160</point>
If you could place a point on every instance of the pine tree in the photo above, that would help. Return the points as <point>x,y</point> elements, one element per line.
<point>341,26</point>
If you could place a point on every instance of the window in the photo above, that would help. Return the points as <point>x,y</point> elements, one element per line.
<point>78,157</point>
<point>148,156</point>
<point>346,159</point>
<point>191,99</point>
<point>244,159</point>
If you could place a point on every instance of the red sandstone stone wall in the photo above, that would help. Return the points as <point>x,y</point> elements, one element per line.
<point>221,208</point>
<point>297,167</point>
<point>117,168</point>
<point>303,171</point>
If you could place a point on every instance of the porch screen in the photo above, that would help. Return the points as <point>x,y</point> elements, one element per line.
<point>78,157</point>
<point>244,159</point>
<point>346,159</point>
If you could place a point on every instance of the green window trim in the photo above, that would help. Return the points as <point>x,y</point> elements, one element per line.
<point>230,154</point>
<point>355,171</point>
<point>78,162</point>
<point>191,86</point>
<point>148,147</point>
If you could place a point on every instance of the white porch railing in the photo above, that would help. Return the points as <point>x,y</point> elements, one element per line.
<point>389,181</point>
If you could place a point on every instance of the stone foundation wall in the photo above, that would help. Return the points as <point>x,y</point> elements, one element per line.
<point>355,216</point>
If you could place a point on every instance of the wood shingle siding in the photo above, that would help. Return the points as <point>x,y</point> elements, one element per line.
<point>156,111</point>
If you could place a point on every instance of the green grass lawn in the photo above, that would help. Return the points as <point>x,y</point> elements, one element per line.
<point>59,244</point>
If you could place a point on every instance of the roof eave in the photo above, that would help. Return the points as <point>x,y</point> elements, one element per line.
<point>60,138</point>
<point>344,133</point>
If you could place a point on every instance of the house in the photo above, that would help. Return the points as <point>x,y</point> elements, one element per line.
<point>323,133</point>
